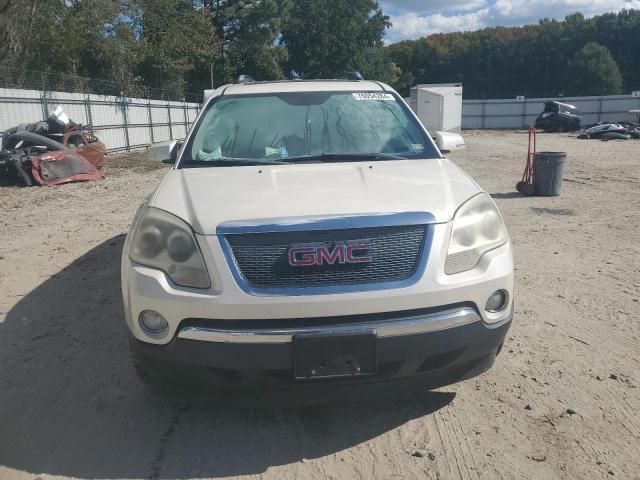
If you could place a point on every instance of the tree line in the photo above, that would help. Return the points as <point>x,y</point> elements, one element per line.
<point>182,46</point>
<point>576,56</point>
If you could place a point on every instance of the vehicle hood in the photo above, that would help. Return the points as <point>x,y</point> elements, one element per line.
<point>207,197</point>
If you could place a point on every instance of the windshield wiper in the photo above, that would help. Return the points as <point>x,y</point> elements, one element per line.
<point>347,157</point>
<point>233,161</point>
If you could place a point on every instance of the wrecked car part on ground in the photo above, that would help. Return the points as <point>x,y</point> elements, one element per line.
<point>22,139</point>
<point>612,131</point>
<point>54,127</point>
<point>18,147</point>
<point>32,159</point>
<point>60,167</point>
<point>68,134</point>
<point>87,145</point>
<point>23,160</point>
<point>14,169</point>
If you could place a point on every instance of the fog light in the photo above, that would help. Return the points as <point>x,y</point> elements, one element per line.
<point>152,322</point>
<point>497,301</point>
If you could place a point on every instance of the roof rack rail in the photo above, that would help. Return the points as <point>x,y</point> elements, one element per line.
<point>245,79</point>
<point>354,76</point>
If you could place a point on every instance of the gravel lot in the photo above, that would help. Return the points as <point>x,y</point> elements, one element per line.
<point>562,401</point>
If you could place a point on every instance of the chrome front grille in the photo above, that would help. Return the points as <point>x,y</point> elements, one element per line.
<point>262,260</point>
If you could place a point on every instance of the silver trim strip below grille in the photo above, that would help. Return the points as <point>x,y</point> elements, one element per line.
<point>384,328</point>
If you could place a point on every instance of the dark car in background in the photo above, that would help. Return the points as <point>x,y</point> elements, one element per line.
<point>559,117</point>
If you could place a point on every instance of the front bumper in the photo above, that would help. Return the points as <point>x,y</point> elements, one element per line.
<point>425,349</point>
<point>145,288</point>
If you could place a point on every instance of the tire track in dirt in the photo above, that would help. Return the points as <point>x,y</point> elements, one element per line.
<point>605,394</point>
<point>155,469</point>
<point>463,443</point>
<point>451,454</point>
<point>592,315</point>
<point>602,336</point>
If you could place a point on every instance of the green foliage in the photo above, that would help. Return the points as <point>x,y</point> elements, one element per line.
<point>174,45</point>
<point>533,60</point>
<point>246,31</point>
<point>593,71</point>
<point>377,65</point>
<point>67,40</point>
<point>327,39</point>
<point>176,42</point>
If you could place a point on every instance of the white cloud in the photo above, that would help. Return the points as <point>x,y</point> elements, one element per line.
<point>411,21</point>
<point>433,6</point>
<point>409,25</point>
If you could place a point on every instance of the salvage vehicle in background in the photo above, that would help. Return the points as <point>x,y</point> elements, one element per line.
<point>311,241</point>
<point>612,131</point>
<point>51,152</point>
<point>558,117</point>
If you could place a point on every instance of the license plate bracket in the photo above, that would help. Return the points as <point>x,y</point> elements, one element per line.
<point>334,355</point>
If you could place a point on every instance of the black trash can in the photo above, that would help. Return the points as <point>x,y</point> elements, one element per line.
<point>549,173</point>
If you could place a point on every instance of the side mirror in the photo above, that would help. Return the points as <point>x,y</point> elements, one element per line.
<point>448,141</point>
<point>174,149</point>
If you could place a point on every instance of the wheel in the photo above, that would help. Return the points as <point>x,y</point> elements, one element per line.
<point>529,190</point>
<point>560,129</point>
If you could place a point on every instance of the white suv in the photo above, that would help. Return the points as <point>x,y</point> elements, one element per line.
<point>310,238</point>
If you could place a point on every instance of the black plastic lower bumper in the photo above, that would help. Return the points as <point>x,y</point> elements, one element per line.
<point>405,363</point>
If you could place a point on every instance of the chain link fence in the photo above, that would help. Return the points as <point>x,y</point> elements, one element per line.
<point>123,122</point>
<point>522,112</point>
<point>17,78</point>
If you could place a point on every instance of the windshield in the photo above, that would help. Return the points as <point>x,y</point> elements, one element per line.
<point>305,127</point>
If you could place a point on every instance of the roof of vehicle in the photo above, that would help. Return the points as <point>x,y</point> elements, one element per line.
<point>283,86</point>
<point>566,105</point>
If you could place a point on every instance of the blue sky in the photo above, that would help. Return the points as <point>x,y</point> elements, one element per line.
<point>418,18</point>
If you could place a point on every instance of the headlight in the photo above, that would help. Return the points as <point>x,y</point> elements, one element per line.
<point>165,242</point>
<point>477,228</point>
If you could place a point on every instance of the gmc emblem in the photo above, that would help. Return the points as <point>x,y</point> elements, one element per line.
<point>322,254</point>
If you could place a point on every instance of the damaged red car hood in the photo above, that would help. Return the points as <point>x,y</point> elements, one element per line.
<point>60,167</point>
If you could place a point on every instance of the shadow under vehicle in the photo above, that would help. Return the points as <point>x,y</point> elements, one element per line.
<point>71,405</point>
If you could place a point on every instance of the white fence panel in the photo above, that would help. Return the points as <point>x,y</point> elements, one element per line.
<point>138,136</point>
<point>138,114</point>
<point>114,138</point>
<point>512,113</point>
<point>177,114</point>
<point>106,114</point>
<point>121,123</point>
<point>159,114</point>
<point>161,133</point>
<point>26,109</point>
<point>178,131</point>
<point>192,113</point>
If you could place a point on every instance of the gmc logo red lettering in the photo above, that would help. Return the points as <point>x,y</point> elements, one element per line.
<point>323,254</point>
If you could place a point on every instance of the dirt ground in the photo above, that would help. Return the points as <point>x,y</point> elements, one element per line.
<point>562,401</point>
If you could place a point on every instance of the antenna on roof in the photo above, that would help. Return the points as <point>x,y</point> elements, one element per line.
<point>245,79</point>
<point>354,76</point>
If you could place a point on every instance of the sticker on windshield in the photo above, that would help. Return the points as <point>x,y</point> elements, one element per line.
<point>373,96</point>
